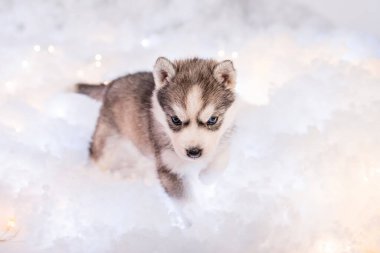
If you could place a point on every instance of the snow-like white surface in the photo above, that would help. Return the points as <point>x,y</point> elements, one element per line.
<point>305,168</point>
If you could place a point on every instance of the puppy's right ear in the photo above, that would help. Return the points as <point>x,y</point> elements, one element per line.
<point>163,72</point>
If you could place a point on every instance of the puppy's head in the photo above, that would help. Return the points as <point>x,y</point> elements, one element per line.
<point>194,98</point>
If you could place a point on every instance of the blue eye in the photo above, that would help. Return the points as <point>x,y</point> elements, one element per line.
<point>212,120</point>
<point>176,121</point>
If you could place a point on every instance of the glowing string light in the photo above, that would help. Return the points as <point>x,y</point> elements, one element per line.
<point>145,43</point>
<point>234,54</point>
<point>221,53</point>
<point>98,57</point>
<point>37,48</point>
<point>25,64</point>
<point>51,49</point>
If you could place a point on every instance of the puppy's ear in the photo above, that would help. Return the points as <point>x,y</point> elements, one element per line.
<point>163,71</point>
<point>224,73</point>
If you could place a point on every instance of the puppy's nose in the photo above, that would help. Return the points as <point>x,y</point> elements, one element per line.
<point>194,152</point>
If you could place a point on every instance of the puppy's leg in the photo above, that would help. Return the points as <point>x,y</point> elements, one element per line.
<point>174,187</point>
<point>172,182</point>
<point>103,131</point>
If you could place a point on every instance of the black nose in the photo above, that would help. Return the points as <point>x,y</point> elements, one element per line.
<point>194,152</point>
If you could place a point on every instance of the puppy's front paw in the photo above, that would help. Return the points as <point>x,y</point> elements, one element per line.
<point>179,220</point>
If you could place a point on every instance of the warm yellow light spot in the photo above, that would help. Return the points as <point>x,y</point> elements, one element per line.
<point>11,224</point>
<point>221,53</point>
<point>372,251</point>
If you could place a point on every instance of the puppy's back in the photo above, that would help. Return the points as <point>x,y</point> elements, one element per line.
<point>126,106</point>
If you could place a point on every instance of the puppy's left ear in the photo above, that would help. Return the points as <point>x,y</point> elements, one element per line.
<point>163,72</point>
<point>224,73</point>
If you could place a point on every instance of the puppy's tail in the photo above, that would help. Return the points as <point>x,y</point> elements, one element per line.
<point>96,92</point>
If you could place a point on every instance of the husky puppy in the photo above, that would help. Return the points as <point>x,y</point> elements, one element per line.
<point>182,114</point>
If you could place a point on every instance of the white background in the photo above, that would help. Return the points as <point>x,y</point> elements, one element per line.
<point>305,168</point>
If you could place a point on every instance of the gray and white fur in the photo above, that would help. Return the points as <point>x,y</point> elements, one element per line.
<point>181,114</point>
